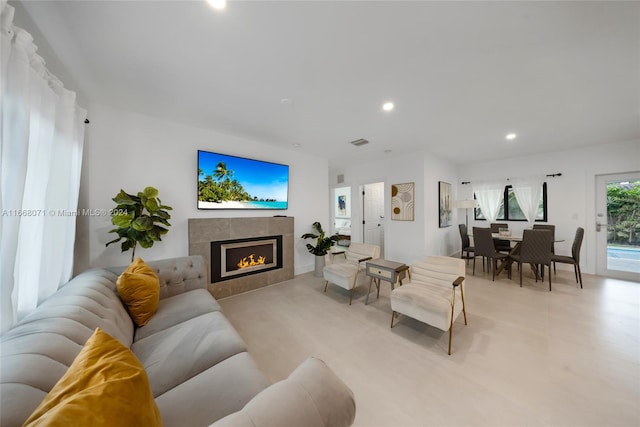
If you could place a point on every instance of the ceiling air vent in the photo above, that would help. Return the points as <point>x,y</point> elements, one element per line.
<point>359,142</point>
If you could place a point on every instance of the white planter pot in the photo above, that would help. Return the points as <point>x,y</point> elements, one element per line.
<point>319,265</point>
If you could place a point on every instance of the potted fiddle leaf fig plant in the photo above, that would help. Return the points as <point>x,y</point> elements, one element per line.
<point>322,246</point>
<point>140,219</point>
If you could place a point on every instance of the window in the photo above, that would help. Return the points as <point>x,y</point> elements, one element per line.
<point>510,210</point>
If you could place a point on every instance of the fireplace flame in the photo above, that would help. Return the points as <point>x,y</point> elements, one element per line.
<point>250,261</point>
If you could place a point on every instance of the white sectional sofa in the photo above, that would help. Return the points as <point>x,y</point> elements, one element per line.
<point>198,367</point>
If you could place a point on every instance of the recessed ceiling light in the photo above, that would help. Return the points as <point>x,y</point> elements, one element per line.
<point>511,136</point>
<point>218,4</point>
<point>388,106</point>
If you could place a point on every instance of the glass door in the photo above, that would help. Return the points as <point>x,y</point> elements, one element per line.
<point>618,225</point>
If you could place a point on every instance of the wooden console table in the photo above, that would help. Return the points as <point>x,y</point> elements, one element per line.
<point>389,271</point>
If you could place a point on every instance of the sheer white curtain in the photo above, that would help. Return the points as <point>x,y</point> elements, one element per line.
<point>489,195</point>
<point>527,191</point>
<point>42,131</point>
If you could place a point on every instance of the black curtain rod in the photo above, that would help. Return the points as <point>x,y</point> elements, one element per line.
<point>552,175</point>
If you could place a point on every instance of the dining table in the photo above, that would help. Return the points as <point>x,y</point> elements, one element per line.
<point>515,249</point>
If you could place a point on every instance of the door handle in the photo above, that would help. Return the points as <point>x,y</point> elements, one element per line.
<point>599,226</point>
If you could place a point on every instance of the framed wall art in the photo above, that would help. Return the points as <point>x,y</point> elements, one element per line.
<point>402,201</point>
<point>342,203</point>
<point>444,204</point>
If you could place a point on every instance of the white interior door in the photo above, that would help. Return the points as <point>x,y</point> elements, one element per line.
<point>617,247</point>
<point>373,214</point>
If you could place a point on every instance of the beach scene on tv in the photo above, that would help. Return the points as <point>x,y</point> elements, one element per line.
<point>230,182</point>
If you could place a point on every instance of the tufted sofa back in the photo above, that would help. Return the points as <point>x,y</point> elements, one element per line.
<point>177,275</point>
<point>36,352</point>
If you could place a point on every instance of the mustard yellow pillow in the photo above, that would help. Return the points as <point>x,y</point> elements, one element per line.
<point>139,288</point>
<point>106,385</point>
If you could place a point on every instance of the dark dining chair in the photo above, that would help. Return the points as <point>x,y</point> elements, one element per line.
<point>501,245</point>
<point>575,255</point>
<point>535,249</point>
<point>466,243</point>
<point>551,228</point>
<point>484,247</point>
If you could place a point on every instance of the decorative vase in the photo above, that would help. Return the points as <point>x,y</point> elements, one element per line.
<point>319,266</point>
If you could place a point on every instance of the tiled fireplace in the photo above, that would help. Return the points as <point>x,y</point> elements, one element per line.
<point>243,253</point>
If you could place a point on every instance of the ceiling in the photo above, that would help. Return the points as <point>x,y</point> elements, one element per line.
<point>462,75</point>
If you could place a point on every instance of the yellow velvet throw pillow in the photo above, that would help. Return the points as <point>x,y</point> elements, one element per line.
<point>139,289</point>
<point>106,385</point>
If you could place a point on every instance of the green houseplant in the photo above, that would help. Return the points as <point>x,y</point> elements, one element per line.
<point>140,218</point>
<point>322,247</point>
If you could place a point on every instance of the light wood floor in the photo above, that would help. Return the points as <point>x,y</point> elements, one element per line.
<point>528,357</point>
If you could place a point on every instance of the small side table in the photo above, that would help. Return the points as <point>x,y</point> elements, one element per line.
<point>389,271</point>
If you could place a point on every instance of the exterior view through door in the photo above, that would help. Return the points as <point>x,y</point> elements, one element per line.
<point>618,225</point>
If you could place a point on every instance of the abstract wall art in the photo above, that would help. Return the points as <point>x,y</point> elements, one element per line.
<point>402,201</point>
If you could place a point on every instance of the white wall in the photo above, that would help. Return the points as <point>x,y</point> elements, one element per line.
<point>571,197</point>
<point>406,241</point>
<point>440,241</point>
<point>131,151</point>
<point>170,153</point>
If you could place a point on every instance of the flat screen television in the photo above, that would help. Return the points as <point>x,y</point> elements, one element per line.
<point>230,182</point>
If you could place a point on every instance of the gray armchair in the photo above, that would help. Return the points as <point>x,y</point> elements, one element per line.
<point>466,243</point>
<point>574,259</point>
<point>485,247</point>
<point>536,250</point>
<point>552,229</point>
<point>500,244</point>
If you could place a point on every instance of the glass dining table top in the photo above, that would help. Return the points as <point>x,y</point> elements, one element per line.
<point>516,237</point>
<point>513,237</point>
<point>510,237</point>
